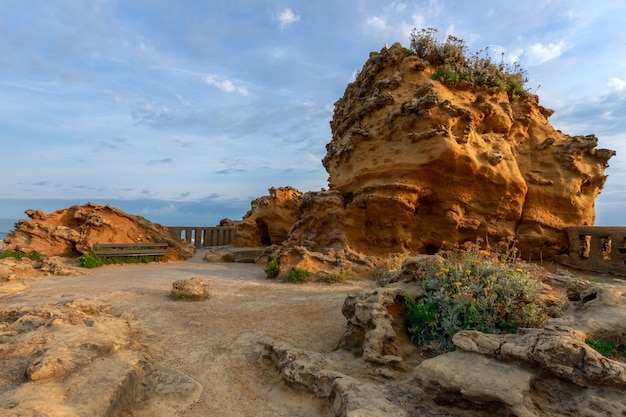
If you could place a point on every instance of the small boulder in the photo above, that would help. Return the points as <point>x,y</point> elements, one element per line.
<point>219,256</point>
<point>190,289</point>
<point>60,266</point>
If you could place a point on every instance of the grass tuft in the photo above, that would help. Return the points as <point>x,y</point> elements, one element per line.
<point>299,275</point>
<point>91,260</point>
<point>454,64</point>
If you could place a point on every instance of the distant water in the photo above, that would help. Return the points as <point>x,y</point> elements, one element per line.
<point>6,225</point>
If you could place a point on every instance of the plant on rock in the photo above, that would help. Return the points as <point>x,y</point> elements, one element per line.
<point>272,269</point>
<point>453,64</point>
<point>19,255</point>
<point>473,289</point>
<point>299,275</point>
<point>605,347</point>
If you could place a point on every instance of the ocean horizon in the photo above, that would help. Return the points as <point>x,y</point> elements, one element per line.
<point>6,225</point>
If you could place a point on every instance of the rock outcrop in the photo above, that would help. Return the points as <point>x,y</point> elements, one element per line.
<point>269,219</point>
<point>52,356</point>
<point>421,163</point>
<point>543,371</point>
<point>415,165</point>
<point>73,231</point>
<point>192,289</point>
<point>15,274</point>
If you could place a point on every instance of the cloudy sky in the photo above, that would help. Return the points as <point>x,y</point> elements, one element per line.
<point>185,111</point>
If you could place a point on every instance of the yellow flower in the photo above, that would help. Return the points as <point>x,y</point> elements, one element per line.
<point>468,271</point>
<point>519,269</point>
<point>458,283</point>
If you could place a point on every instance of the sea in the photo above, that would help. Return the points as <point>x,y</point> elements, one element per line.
<point>6,225</point>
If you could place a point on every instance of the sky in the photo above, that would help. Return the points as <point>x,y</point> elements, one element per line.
<point>184,111</point>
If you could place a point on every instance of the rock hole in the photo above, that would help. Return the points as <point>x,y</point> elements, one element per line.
<point>347,199</point>
<point>431,249</point>
<point>589,297</point>
<point>263,233</point>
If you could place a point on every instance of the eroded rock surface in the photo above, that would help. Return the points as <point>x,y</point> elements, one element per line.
<point>415,164</point>
<point>544,371</point>
<point>269,219</point>
<point>15,274</point>
<point>194,288</point>
<point>52,356</point>
<point>73,231</point>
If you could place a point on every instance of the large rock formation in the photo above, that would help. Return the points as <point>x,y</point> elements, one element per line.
<point>74,230</point>
<point>416,164</point>
<point>269,219</point>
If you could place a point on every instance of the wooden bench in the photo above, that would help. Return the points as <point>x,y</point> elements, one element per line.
<point>130,249</point>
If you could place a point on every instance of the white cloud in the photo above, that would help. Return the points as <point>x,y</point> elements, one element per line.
<point>394,23</point>
<point>616,84</point>
<point>226,86</point>
<point>286,18</point>
<point>376,23</point>
<point>539,53</point>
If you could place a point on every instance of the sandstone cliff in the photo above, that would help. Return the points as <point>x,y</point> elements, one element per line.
<point>270,218</point>
<point>416,164</point>
<point>74,230</point>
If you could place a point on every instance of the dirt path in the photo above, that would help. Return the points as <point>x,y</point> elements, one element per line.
<point>213,341</point>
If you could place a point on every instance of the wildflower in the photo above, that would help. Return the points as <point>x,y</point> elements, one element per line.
<point>519,269</point>
<point>468,271</point>
<point>458,283</point>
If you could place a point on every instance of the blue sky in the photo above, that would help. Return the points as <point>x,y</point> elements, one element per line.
<point>183,111</point>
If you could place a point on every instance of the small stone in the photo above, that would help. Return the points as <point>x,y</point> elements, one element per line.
<point>190,289</point>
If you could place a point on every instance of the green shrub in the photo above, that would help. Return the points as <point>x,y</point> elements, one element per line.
<point>453,64</point>
<point>473,289</point>
<point>91,260</point>
<point>20,255</point>
<point>603,347</point>
<point>14,254</point>
<point>272,269</point>
<point>299,275</point>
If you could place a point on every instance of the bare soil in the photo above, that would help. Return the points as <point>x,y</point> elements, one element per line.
<point>212,341</point>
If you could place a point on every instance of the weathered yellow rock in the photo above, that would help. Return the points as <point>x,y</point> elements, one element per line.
<point>269,219</point>
<point>75,230</point>
<point>416,165</point>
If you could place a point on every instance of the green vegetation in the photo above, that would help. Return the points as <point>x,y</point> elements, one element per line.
<point>19,255</point>
<point>272,269</point>
<point>393,263</point>
<point>181,296</point>
<point>334,277</point>
<point>605,347</point>
<point>474,289</point>
<point>299,275</point>
<point>453,64</point>
<point>92,260</point>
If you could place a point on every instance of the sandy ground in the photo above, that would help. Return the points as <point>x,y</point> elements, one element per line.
<point>212,341</point>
